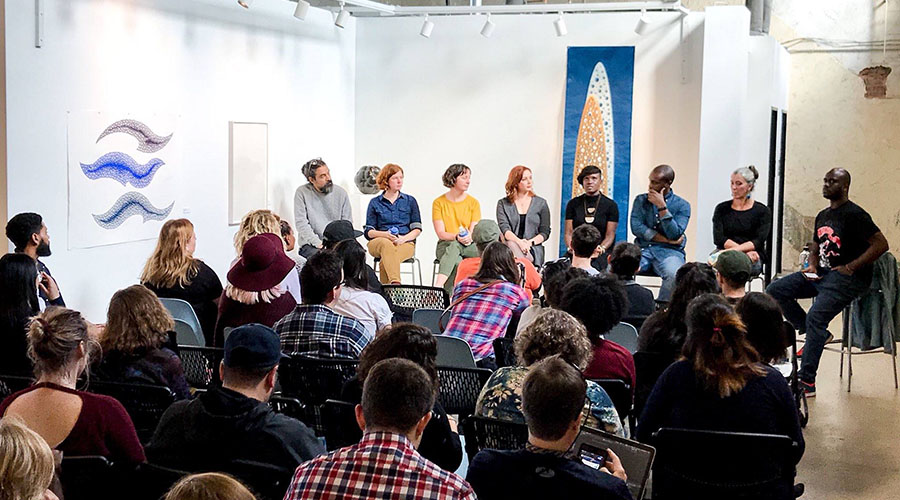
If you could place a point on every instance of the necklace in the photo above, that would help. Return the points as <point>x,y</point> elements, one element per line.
<point>590,211</point>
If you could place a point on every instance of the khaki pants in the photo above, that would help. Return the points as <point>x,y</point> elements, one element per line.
<point>391,256</point>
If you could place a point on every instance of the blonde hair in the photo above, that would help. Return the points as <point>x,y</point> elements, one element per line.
<point>249,298</point>
<point>26,462</point>
<point>170,264</point>
<point>209,486</point>
<point>53,339</point>
<point>256,222</point>
<point>554,332</point>
<point>135,320</point>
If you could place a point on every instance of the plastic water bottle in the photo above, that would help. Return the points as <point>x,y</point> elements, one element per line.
<point>463,232</point>
<point>394,231</point>
<point>804,259</point>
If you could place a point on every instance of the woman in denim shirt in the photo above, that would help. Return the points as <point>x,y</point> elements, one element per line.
<point>392,224</point>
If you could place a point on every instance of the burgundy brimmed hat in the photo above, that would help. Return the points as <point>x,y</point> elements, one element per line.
<point>263,264</point>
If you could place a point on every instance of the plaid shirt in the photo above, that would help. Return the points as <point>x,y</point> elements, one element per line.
<point>484,316</point>
<point>382,465</point>
<point>317,331</point>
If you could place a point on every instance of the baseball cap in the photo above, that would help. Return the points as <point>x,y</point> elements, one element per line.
<point>252,346</point>
<point>486,231</point>
<point>734,265</point>
<point>339,230</point>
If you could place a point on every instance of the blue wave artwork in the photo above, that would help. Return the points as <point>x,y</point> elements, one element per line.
<point>148,142</point>
<point>122,168</point>
<point>129,205</point>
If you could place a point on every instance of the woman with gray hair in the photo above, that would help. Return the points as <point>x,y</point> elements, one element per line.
<point>553,332</point>
<point>743,223</point>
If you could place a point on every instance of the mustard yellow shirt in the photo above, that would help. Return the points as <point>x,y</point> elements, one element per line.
<point>455,214</point>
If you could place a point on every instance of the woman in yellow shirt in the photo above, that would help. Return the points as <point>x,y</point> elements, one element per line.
<point>454,215</point>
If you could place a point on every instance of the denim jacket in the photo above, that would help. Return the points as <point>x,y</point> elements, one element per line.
<point>403,214</point>
<point>646,222</point>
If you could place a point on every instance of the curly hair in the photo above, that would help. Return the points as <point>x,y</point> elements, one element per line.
<point>386,173</point>
<point>555,276</point>
<point>401,340</point>
<point>309,168</point>
<point>554,332</point>
<point>512,182</point>
<point>136,320</point>
<point>452,172</point>
<point>256,222</point>
<point>599,302</point>
<point>170,263</point>
<point>717,346</point>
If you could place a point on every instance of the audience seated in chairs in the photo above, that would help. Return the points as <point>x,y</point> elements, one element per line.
<point>599,303</point>
<point>720,385</point>
<point>259,222</point>
<point>313,328</point>
<point>18,303</point>
<point>233,422</point>
<point>556,274</point>
<point>484,304</point>
<point>26,463</point>
<point>290,243</point>
<point>172,272</point>
<point>586,240</point>
<point>733,272</point>
<point>341,230</point>
<point>765,325</point>
<point>552,396</point>
<point>355,301</point>
<point>440,440</point>
<point>133,342</point>
<point>485,233</point>
<point>62,344</point>
<point>397,401</point>
<point>554,332</point>
<point>209,486</point>
<point>665,330</point>
<point>624,262</point>
<point>253,293</point>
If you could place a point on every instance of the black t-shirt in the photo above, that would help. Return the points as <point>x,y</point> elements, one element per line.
<point>843,235</point>
<point>606,211</point>
<point>741,226</point>
<point>202,293</point>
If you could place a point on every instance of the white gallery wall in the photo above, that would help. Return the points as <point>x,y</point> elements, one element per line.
<point>209,62</point>
<point>493,103</point>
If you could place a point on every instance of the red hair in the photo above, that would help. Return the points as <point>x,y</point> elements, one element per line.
<point>386,173</point>
<point>515,177</point>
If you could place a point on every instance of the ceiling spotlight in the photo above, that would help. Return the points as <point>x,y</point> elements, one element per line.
<point>560,26</point>
<point>301,10</point>
<point>427,27</point>
<point>643,23</point>
<point>488,29</point>
<point>245,3</point>
<point>342,17</point>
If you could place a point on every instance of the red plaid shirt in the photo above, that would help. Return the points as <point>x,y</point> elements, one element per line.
<point>382,465</point>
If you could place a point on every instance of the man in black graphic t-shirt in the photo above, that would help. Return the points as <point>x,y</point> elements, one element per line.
<point>840,269</point>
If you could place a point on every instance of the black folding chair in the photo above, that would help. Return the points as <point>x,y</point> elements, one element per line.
<point>405,299</point>
<point>619,392</point>
<point>704,465</point>
<point>313,381</point>
<point>341,428</point>
<point>144,403</point>
<point>504,353</point>
<point>483,432</point>
<point>90,477</point>
<point>648,366</point>
<point>459,388</point>
<point>291,407</point>
<point>151,482</point>
<point>268,481</point>
<point>201,365</point>
<point>13,383</point>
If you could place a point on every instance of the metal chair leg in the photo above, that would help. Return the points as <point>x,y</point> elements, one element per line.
<point>894,363</point>
<point>419,264</point>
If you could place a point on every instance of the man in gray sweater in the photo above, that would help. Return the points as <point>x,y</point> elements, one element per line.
<point>315,205</point>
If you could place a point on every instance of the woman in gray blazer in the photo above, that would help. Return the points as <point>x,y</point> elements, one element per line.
<point>523,217</point>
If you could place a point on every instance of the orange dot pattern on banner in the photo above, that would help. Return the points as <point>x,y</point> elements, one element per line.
<point>591,146</point>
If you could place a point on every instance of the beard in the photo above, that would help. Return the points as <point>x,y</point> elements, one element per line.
<point>327,188</point>
<point>43,249</point>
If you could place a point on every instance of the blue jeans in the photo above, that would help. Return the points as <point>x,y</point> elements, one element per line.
<point>833,292</point>
<point>665,263</point>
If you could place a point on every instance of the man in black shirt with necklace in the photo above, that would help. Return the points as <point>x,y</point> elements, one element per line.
<point>593,208</point>
<point>840,270</point>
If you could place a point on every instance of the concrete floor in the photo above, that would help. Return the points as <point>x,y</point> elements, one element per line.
<point>851,439</point>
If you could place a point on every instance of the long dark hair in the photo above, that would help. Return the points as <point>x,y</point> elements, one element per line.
<point>497,263</point>
<point>717,346</point>
<point>18,287</point>
<point>354,258</point>
<point>765,325</point>
<point>692,280</point>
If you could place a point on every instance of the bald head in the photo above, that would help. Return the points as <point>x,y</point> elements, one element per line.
<point>664,173</point>
<point>836,185</point>
<point>842,175</point>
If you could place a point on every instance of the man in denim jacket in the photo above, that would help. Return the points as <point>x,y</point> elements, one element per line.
<point>658,221</point>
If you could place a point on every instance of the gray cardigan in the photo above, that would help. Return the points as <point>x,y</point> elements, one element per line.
<point>537,221</point>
